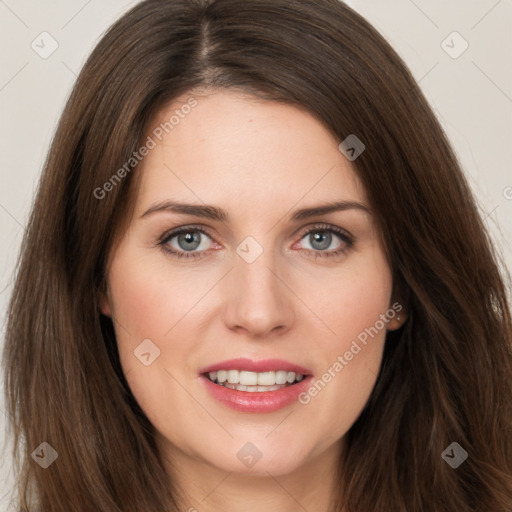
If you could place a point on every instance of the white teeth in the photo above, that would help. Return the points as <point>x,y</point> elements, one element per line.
<point>267,379</point>
<point>281,377</point>
<point>233,376</point>
<point>252,389</point>
<point>250,380</point>
<point>235,386</point>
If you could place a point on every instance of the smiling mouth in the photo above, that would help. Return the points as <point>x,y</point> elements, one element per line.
<point>254,382</point>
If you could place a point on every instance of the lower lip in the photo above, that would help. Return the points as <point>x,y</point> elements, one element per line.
<point>257,401</point>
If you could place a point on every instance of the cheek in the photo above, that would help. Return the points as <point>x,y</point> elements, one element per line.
<point>351,299</point>
<point>148,298</point>
<point>152,303</point>
<point>353,307</point>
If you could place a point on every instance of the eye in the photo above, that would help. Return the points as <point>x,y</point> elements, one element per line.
<point>191,242</point>
<point>320,238</point>
<point>182,241</point>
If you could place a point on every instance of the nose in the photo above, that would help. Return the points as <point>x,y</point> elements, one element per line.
<point>259,301</point>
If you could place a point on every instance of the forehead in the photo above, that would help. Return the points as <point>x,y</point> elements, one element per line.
<point>243,152</point>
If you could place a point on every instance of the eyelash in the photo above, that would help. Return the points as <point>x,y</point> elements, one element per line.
<point>342,234</point>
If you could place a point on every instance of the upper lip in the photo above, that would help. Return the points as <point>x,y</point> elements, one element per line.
<point>264,365</point>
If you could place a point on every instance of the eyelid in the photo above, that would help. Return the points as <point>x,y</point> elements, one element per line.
<point>319,226</point>
<point>343,234</point>
<point>346,238</point>
<point>170,234</point>
<point>179,229</point>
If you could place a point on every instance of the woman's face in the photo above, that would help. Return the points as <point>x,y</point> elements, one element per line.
<point>272,280</point>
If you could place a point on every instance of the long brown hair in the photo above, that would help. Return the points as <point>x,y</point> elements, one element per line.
<point>446,375</point>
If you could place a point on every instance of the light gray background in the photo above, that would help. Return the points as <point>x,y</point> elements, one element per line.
<point>471,94</point>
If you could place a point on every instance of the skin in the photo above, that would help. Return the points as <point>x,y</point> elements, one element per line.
<point>260,161</point>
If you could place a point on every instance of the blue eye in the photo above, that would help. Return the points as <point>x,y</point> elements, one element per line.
<point>188,241</point>
<point>188,238</point>
<point>320,239</point>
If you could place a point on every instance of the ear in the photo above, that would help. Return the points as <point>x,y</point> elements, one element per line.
<point>104,302</point>
<point>397,315</point>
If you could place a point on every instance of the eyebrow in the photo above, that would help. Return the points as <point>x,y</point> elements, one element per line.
<point>216,213</point>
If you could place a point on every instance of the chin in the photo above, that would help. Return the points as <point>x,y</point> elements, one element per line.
<point>275,465</point>
<point>258,457</point>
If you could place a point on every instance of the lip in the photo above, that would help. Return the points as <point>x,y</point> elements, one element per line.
<point>248,365</point>
<point>257,402</point>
